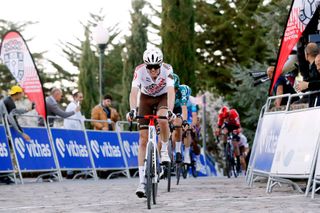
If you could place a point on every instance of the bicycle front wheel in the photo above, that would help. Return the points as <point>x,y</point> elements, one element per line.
<point>149,175</point>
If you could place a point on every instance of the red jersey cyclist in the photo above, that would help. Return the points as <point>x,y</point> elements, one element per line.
<point>229,122</point>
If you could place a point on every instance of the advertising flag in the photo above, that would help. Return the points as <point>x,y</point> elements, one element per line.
<point>15,54</point>
<point>300,15</point>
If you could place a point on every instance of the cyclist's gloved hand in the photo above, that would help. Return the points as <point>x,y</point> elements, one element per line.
<point>170,115</point>
<point>131,115</point>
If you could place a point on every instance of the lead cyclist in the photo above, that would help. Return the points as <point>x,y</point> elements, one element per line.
<point>155,81</point>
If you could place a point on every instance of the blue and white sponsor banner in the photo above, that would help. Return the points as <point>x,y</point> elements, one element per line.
<point>71,148</point>
<point>106,150</point>
<point>208,168</point>
<point>5,158</point>
<point>36,154</point>
<point>130,141</point>
<point>297,144</point>
<point>267,140</point>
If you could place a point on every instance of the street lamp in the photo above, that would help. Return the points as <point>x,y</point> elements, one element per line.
<point>100,36</point>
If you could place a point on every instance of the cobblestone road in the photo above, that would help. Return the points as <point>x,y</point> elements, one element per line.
<point>209,194</point>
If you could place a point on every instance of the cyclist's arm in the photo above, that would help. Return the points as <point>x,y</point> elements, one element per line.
<point>184,112</point>
<point>171,97</point>
<point>133,97</point>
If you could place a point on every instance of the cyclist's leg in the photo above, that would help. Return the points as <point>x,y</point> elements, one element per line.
<point>242,158</point>
<point>144,108</point>
<point>177,138</point>
<point>197,151</point>
<point>235,142</point>
<point>187,139</point>
<point>162,110</point>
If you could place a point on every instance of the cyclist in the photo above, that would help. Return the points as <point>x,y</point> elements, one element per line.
<point>180,108</point>
<point>229,122</point>
<point>244,150</point>
<point>155,81</point>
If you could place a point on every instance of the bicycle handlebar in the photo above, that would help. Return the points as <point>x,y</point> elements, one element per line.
<point>149,117</point>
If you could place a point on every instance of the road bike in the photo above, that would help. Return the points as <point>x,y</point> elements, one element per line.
<point>152,161</point>
<point>230,161</point>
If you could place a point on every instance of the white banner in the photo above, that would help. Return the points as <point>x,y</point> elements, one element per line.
<point>297,143</point>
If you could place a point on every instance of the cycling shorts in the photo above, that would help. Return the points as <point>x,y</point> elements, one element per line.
<point>230,129</point>
<point>147,106</point>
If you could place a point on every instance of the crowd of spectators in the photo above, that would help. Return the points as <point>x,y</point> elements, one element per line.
<point>310,80</point>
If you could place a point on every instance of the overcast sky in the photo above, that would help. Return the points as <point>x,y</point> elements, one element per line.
<point>60,20</point>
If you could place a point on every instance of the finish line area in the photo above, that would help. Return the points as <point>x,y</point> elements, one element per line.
<point>206,194</point>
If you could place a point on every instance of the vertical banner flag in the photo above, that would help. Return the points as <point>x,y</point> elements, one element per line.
<point>300,14</point>
<point>15,54</point>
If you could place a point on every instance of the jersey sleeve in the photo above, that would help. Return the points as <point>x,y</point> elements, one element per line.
<point>169,76</point>
<point>136,82</point>
<point>220,120</point>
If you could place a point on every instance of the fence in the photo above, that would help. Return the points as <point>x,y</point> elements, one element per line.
<point>54,149</point>
<point>286,146</point>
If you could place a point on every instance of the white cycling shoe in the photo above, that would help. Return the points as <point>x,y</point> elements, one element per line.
<point>165,157</point>
<point>141,190</point>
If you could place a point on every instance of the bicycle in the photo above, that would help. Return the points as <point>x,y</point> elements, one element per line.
<point>152,160</point>
<point>229,157</point>
<point>192,165</point>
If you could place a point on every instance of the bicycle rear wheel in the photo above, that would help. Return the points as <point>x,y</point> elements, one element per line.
<point>149,175</point>
<point>169,175</point>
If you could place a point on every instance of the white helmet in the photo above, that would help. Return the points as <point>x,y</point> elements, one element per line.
<point>153,56</point>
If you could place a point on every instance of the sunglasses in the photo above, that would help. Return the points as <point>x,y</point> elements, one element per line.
<point>153,66</point>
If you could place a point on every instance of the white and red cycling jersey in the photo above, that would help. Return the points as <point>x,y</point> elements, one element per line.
<point>142,80</point>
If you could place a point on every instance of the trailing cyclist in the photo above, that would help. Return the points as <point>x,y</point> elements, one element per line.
<point>155,81</point>
<point>183,93</point>
<point>229,122</point>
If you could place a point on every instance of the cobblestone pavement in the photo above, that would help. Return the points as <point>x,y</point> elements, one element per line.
<point>203,194</point>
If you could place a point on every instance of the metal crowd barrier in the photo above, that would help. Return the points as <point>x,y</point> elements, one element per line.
<point>285,147</point>
<point>38,155</point>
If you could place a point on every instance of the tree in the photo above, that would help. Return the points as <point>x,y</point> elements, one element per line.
<point>88,81</point>
<point>227,33</point>
<point>177,33</point>
<point>135,44</point>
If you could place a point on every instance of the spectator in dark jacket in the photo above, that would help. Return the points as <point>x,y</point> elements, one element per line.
<point>53,108</point>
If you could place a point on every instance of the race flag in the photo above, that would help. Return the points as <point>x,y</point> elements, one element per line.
<point>300,14</point>
<point>15,54</point>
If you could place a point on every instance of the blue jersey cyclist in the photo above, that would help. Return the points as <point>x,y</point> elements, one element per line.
<point>183,93</point>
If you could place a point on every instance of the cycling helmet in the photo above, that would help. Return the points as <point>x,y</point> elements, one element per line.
<point>153,56</point>
<point>224,111</point>
<point>176,80</point>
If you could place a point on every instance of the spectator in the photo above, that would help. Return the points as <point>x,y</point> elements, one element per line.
<point>282,86</point>
<point>8,107</point>
<point>53,109</point>
<point>311,52</point>
<point>72,106</point>
<point>105,112</point>
<point>312,85</point>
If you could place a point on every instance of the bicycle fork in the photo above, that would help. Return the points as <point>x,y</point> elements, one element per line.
<point>152,142</point>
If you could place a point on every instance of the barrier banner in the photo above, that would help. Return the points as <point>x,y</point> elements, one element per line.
<point>208,168</point>
<point>106,150</point>
<point>5,157</point>
<point>130,141</point>
<point>267,141</point>
<point>71,148</point>
<point>36,154</point>
<point>297,143</point>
